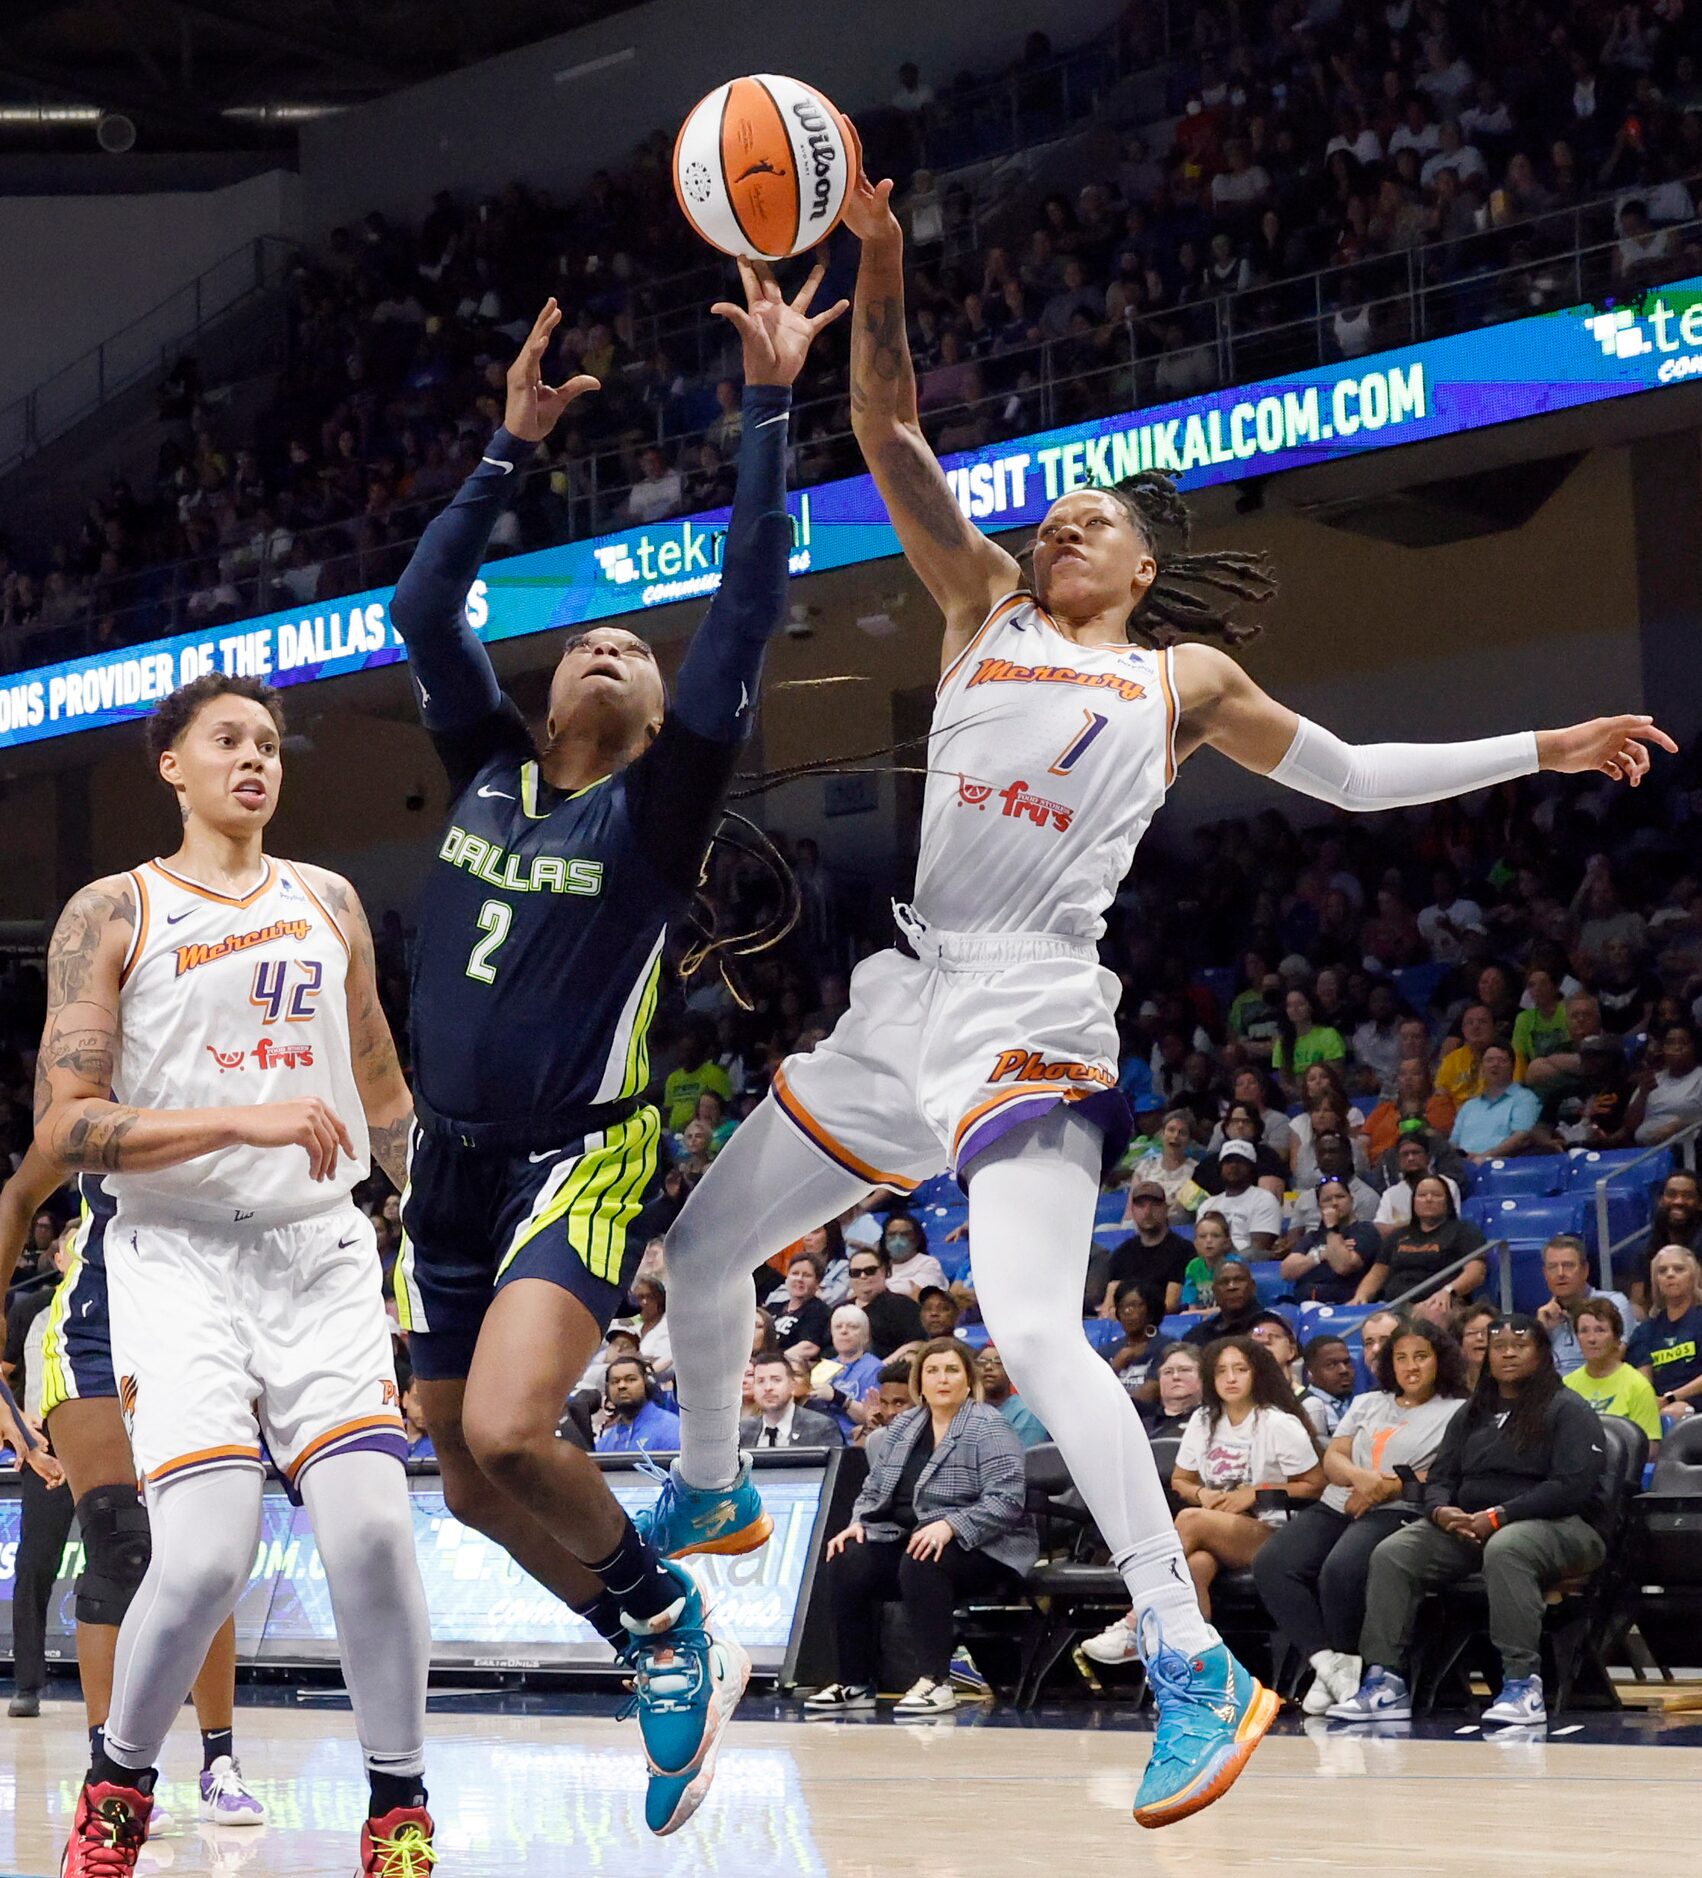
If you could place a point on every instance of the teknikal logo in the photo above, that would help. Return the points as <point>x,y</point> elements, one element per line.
<point>1659,329</point>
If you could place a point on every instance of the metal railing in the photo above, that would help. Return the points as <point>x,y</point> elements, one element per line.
<point>139,350</point>
<point>1428,1287</point>
<point>1670,1147</point>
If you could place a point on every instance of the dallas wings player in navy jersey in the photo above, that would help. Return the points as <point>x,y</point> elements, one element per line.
<point>535,980</point>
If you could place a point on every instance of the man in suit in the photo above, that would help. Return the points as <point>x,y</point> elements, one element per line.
<point>783,1423</point>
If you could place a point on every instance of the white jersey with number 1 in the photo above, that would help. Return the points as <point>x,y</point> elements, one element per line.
<point>229,1001</point>
<point>1046,762</point>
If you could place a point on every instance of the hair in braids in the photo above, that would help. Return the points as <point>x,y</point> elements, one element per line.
<point>1172,605</point>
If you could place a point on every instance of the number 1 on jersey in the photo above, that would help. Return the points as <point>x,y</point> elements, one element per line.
<point>1077,747</point>
<point>495,918</point>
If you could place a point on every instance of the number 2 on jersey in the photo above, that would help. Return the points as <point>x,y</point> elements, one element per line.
<point>495,918</point>
<point>1078,745</point>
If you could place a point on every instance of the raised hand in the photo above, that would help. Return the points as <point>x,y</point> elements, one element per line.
<point>1613,745</point>
<point>533,407</point>
<point>868,206</point>
<point>777,332</point>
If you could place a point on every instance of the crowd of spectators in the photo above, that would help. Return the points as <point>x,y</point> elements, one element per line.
<point>1396,143</point>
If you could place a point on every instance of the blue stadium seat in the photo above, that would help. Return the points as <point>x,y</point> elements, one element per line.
<point>1111,1208</point>
<point>1104,1333</point>
<point>1530,1290</point>
<point>1588,1165</point>
<point>1338,1320</point>
<point>1629,1212</point>
<point>1526,1216</point>
<point>937,1190</point>
<point>1110,1237</point>
<point>954,1258</point>
<point>976,1336</point>
<point>1416,985</point>
<point>1176,1327</point>
<point>1539,1175</point>
<point>1267,1280</point>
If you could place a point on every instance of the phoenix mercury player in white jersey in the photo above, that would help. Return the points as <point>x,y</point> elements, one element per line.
<point>986,1038</point>
<point>215,1049</point>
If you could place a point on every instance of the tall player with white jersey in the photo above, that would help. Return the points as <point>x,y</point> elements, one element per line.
<point>986,1038</point>
<point>215,1049</point>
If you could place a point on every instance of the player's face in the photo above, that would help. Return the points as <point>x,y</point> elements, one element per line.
<point>227,766</point>
<point>609,676</point>
<point>1089,556</point>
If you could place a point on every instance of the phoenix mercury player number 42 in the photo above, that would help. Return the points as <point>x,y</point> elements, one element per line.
<point>536,976</point>
<point>986,1038</point>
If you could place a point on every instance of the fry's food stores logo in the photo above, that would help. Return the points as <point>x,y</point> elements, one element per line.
<point>1675,332</point>
<point>1016,801</point>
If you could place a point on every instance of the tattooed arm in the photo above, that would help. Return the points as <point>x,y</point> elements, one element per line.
<point>77,1123</point>
<point>384,1091</point>
<point>960,567</point>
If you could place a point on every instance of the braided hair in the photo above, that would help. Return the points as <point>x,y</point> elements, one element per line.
<point>1172,605</point>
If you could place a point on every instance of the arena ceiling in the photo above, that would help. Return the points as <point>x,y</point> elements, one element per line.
<point>234,74</point>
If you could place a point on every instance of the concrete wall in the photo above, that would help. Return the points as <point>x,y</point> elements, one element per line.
<point>82,268</point>
<point>510,117</point>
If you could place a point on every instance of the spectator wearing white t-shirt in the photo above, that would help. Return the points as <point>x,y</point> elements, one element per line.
<point>1487,115</point>
<point>1357,138</point>
<point>658,491</point>
<point>1249,1438</point>
<point>1413,1159</point>
<point>1449,917</point>
<point>1668,1097</point>
<point>1416,131</point>
<point>1455,154</point>
<point>1242,184</point>
<point>1253,1215</point>
<point>1447,79</point>
<point>1642,250</point>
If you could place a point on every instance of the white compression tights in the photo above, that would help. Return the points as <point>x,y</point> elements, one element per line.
<point>206,1529</point>
<point>1031,1201</point>
<point>767,1188</point>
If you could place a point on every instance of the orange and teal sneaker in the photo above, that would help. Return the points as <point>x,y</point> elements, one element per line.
<point>398,1845</point>
<point>724,1520</point>
<point>1211,1716</point>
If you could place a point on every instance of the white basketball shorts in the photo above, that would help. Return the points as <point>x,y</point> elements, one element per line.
<point>224,1337</point>
<point>941,1054</point>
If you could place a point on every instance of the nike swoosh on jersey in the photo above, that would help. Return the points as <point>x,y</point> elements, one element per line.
<point>344,1244</point>
<point>496,462</point>
<point>781,419</point>
<point>171,919</point>
<point>488,793</point>
<point>548,1154</point>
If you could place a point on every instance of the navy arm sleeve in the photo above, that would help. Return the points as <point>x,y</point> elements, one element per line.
<point>679,784</point>
<point>461,703</point>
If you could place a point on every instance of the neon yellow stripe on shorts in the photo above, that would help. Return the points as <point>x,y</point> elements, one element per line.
<point>600,1196</point>
<point>58,1384</point>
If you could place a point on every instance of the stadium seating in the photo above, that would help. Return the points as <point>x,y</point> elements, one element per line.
<point>1536,1176</point>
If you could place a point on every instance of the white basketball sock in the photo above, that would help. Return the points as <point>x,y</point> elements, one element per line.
<point>1031,1202</point>
<point>205,1530</point>
<point>767,1188</point>
<point>363,1523</point>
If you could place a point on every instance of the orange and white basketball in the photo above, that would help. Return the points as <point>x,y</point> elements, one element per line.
<point>762,166</point>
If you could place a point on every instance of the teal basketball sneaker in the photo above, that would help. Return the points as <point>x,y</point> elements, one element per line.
<point>1211,1716</point>
<point>723,1520</point>
<point>687,1681</point>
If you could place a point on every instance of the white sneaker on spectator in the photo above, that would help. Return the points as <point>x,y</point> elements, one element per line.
<point>1114,1644</point>
<point>1381,1697</point>
<point>1336,1680</point>
<point>927,1697</point>
<point>1519,1704</point>
<point>837,1697</point>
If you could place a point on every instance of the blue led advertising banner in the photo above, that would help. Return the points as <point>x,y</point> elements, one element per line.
<point>1440,388</point>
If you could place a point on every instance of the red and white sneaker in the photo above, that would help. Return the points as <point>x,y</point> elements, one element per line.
<point>110,1829</point>
<point>396,1846</point>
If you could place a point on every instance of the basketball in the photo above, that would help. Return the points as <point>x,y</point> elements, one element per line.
<point>762,166</point>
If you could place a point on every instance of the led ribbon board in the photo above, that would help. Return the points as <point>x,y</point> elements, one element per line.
<point>1440,388</point>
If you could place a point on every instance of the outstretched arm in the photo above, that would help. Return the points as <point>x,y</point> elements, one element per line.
<point>1222,706</point>
<point>452,672</point>
<point>960,567</point>
<point>37,1180</point>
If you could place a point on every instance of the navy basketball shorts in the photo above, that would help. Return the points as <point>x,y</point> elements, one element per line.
<point>475,1219</point>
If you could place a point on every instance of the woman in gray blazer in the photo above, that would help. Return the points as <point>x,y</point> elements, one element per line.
<point>940,1518</point>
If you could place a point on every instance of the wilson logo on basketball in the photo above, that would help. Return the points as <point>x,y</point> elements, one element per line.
<point>824,153</point>
<point>1031,1066</point>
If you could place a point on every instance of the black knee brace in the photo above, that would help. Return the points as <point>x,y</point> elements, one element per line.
<point>117,1545</point>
